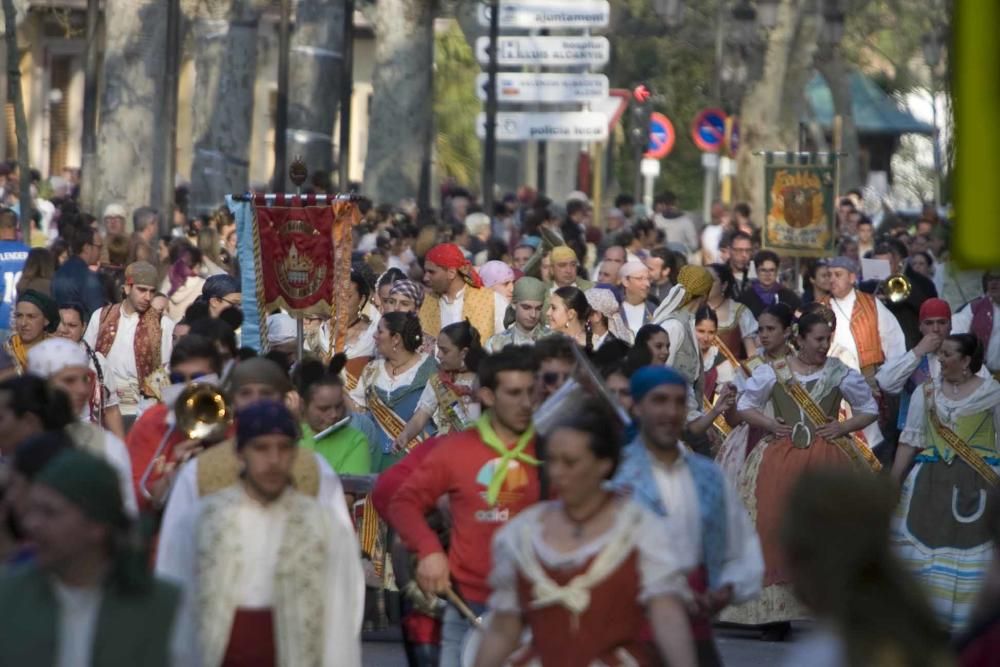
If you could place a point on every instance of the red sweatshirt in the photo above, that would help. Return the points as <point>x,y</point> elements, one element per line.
<point>461,466</point>
<point>389,481</point>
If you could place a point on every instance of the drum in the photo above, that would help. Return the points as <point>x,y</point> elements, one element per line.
<point>473,638</point>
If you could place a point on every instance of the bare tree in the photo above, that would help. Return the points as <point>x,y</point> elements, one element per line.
<point>131,110</point>
<point>402,111</point>
<point>225,33</point>
<point>773,105</point>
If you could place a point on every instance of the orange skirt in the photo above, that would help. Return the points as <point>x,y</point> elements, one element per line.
<point>781,465</point>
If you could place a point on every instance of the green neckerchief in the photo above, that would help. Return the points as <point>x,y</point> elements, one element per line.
<point>516,453</point>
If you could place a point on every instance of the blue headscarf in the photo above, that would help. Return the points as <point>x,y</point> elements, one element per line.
<point>264,418</point>
<point>649,378</point>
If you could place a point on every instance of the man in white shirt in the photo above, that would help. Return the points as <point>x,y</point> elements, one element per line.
<point>266,570</point>
<point>866,334</point>
<point>705,516</point>
<point>636,311</point>
<point>981,318</point>
<point>134,338</point>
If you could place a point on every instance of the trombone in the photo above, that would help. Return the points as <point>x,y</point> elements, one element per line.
<point>201,412</point>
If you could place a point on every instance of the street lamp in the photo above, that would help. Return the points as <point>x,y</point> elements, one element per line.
<point>833,25</point>
<point>744,23</point>
<point>670,11</point>
<point>767,13</point>
<point>932,56</point>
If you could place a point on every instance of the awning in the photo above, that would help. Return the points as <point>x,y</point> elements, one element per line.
<point>874,111</point>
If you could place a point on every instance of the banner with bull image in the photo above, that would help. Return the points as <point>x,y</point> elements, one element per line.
<point>800,204</point>
<point>295,254</point>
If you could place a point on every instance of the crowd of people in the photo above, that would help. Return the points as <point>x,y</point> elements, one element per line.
<point>545,441</point>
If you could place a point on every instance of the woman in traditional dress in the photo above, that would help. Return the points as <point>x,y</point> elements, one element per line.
<point>36,317</point>
<point>450,396</point>
<point>805,391</point>
<point>383,284</point>
<point>407,296</point>
<point>390,387</point>
<point>719,370</point>
<point>589,573</point>
<point>942,529</point>
<point>737,326</point>
<point>568,314</point>
<point>606,323</point>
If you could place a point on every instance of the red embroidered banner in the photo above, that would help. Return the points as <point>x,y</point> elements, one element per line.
<point>296,257</point>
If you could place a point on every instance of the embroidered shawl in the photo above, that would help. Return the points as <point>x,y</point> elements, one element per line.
<point>300,584</point>
<point>148,338</point>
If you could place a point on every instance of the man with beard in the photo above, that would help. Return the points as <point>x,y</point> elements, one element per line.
<point>457,293</point>
<point>691,494</point>
<point>489,473</point>
<point>134,338</point>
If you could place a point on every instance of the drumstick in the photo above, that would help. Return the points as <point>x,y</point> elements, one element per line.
<point>463,609</point>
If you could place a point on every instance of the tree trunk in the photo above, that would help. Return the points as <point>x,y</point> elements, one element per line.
<point>131,115</point>
<point>402,112</point>
<point>772,108</point>
<point>837,76</point>
<point>88,163</point>
<point>314,82</point>
<point>225,36</point>
<point>20,121</point>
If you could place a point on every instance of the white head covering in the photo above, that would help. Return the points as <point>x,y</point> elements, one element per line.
<point>495,272</point>
<point>603,301</point>
<point>631,268</point>
<point>55,354</point>
<point>281,328</point>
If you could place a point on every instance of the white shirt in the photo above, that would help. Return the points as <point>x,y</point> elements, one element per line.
<point>743,566</point>
<point>893,375</point>
<point>116,453</point>
<point>634,315</point>
<point>844,347</point>
<point>261,531</point>
<point>451,311</point>
<point>711,236</point>
<point>961,322</point>
<point>121,356</point>
<point>78,612</point>
<point>385,380</point>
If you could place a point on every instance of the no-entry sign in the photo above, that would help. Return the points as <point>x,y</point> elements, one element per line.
<point>661,137</point>
<point>709,129</point>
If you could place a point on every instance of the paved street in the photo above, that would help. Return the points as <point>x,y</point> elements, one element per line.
<point>739,649</point>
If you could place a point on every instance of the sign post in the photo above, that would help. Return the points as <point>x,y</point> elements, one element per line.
<point>560,14</point>
<point>650,170</point>
<point>708,131</point>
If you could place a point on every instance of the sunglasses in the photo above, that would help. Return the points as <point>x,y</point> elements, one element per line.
<point>178,378</point>
<point>552,379</point>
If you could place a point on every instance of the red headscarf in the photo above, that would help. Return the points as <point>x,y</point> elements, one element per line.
<point>935,308</point>
<point>450,256</point>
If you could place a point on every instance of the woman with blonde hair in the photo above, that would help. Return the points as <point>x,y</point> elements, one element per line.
<point>211,260</point>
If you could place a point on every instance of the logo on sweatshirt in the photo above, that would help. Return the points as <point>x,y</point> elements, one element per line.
<point>512,489</point>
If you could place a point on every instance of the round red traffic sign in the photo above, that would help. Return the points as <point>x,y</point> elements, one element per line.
<point>709,129</point>
<point>661,137</point>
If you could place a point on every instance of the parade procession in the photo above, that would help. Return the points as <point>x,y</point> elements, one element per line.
<point>489,333</point>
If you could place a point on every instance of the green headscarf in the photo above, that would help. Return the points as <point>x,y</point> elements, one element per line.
<point>529,289</point>
<point>44,303</point>
<point>88,482</point>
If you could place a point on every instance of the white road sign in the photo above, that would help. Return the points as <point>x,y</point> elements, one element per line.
<point>580,126</point>
<point>529,14</point>
<point>546,51</point>
<point>555,88</point>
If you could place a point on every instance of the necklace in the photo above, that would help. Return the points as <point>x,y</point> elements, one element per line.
<point>814,367</point>
<point>956,387</point>
<point>581,523</point>
<point>396,370</point>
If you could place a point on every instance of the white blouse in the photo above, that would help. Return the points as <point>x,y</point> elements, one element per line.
<point>758,389</point>
<point>384,380</point>
<point>985,397</point>
<point>747,323</point>
<point>428,400</point>
<point>662,568</point>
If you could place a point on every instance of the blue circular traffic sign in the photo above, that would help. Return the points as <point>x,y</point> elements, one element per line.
<point>661,137</point>
<point>709,129</point>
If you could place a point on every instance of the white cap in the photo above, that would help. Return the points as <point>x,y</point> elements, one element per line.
<point>281,328</point>
<point>55,354</point>
<point>477,223</point>
<point>114,211</point>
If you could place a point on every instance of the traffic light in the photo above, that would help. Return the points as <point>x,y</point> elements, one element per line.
<point>641,110</point>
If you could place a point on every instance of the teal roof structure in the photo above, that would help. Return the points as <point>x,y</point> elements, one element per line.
<point>874,111</point>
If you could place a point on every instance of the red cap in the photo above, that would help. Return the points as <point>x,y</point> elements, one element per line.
<point>936,308</point>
